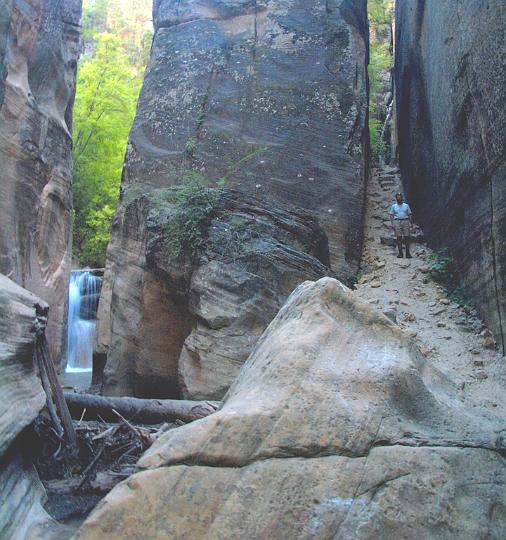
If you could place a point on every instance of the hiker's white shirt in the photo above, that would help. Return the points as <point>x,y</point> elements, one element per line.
<point>400,211</point>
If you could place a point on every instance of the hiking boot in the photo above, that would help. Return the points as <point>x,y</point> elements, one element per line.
<point>408,254</point>
<point>400,255</point>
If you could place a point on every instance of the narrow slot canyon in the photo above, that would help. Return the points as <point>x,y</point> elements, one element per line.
<point>252,267</point>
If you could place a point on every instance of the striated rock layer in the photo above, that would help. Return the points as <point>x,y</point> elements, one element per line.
<point>268,96</point>
<point>39,46</point>
<point>21,493</point>
<point>451,90</point>
<point>265,97</point>
<point>336,427</point>
<point>184,325</point>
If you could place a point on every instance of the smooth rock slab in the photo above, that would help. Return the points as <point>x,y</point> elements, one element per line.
<point>336,427</point>
<point>22,516</point>
<point>395,492</point>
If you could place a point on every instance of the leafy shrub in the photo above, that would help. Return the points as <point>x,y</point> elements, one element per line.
<point>378,146</point>
<point>380,63</point>
<point>194,204</point>
<point>444,270</point>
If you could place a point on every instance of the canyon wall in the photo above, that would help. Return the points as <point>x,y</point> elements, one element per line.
<point>21,492</point>
<point>39,48</point>
<point>451,90</point>
<point>266,98</point>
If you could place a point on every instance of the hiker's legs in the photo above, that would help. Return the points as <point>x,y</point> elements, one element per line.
<point>399,246</point>
<point>407,241</point>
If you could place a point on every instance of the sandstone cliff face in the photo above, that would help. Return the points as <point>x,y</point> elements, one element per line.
<point>192,321</point>
<point>266,97</point>
<point>336,427</point>
<point>451,90</point>
<point>269,96</point>
<point>39,46</point>
<point>21,493</point>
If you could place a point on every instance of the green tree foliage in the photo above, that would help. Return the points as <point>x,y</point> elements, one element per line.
<point>104,110</point>
<point>116,41</point>
<point>380,64</point>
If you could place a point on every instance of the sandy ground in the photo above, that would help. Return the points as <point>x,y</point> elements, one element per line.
<point>449,335</point>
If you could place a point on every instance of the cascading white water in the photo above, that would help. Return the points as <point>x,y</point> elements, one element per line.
<point>83,299</point>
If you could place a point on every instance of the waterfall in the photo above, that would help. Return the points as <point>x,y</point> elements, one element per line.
<point>83,301</point>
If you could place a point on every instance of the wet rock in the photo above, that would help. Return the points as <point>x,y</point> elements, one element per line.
<point>335,409</point>
<point>22,496</point>
<point>39,47</point>
<point>451,120</point>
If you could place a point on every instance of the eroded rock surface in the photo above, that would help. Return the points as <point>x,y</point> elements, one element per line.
<point>22,393</point>
<point>39,46</point>
<point>21,493</point>
<point>185,325</point>
<point>336,427</point>
<point>450,80</point>
<point>268,98</point>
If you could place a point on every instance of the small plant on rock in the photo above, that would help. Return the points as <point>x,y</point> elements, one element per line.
<point>193,205</point>
<point>444,270</point>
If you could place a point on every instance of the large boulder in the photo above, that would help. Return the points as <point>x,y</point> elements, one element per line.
<point>336,427</point>
<point>192,317</point>
<point>21,493</point>
<point>39,47</point>
<point>450,82</point>
<point>267,97</point>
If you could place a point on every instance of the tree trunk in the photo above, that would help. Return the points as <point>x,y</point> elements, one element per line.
<point>147,411</point>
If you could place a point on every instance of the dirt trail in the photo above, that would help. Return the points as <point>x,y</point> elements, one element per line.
<point>449,335</point>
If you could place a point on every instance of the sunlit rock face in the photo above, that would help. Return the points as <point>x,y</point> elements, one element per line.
<point>336,427</point>
<point>266,97</point>
<point>39,46</point>
<point>451,90</point>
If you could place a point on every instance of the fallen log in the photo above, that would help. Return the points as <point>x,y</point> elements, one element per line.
<point>144,411</point>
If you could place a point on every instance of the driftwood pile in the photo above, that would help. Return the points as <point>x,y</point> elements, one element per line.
<point>85,444</point>
<point>105,453</point>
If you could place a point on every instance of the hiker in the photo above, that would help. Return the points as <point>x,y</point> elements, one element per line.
<point>402,222</point>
